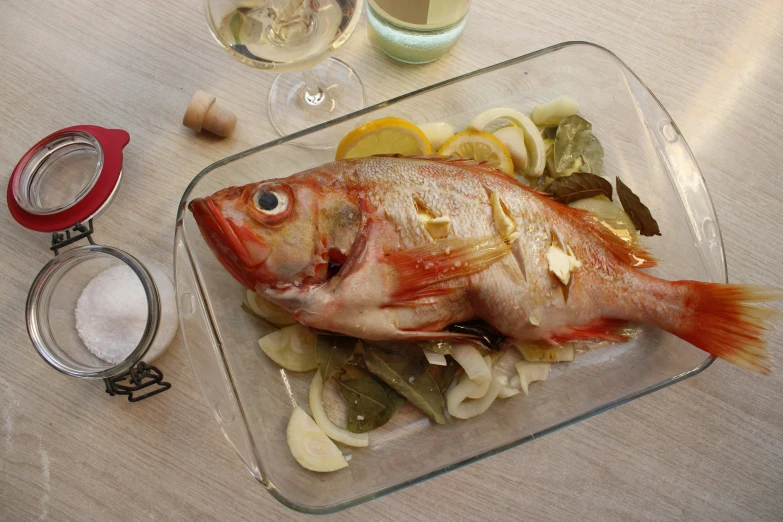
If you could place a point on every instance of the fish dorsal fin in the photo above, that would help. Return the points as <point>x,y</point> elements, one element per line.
<point>626,253</point>
<point>456,161</point>
<point>419,268</point>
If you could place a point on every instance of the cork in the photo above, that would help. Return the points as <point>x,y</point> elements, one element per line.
<point>204,114</point>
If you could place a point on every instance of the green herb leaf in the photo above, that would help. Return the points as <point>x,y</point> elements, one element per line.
<point>443,375</point>
<point>549,133</point>
<point>235,25</point>
<point>571,140</point>
<point>332,354</point>
<point>370,422</point>
<point>637,211</point>
<point>354,371</point>
<point>364,395</point>
<point>593,156</point>
<point>579,185</point>
<point>442,347</point>
<point>409,379</point>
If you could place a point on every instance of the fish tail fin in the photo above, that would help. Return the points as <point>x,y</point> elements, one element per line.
<point>724,320</point>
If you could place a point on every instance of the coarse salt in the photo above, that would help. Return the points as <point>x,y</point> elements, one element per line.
<point>111,314</point>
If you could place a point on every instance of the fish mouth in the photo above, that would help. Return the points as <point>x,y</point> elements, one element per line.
<point>237,249</point>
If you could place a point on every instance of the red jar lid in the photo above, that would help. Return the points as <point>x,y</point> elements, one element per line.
<point>66,178</point>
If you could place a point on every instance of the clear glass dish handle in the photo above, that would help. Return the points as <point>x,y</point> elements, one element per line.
<point>687,177</point>
<point>206,359</point>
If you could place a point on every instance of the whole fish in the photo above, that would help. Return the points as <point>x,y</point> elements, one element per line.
<point>396,248</point>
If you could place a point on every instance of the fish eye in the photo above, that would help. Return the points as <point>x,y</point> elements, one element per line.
<point>271,202</point>
<point>267,201</point>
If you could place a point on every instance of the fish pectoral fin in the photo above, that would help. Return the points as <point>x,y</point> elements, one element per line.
<point>600,329</point>
<point>421,268</point>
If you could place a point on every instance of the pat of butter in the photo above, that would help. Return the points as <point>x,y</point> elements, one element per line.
<point>562,264</point>
<point>438,228</point>
<point>504,225</point>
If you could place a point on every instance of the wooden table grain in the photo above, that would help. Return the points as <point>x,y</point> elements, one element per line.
<point>707,449</point>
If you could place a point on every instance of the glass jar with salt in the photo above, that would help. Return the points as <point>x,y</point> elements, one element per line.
<point>93,311</point>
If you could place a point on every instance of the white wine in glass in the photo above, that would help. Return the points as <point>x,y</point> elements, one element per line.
<point>294,35</point>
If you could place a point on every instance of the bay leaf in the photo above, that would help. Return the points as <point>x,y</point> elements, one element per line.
<point>331,354</point>
<point>367,423</point>
<point>637,211</point>
<point>573,134</point>
<point>354,371</point>
<point>442,347</point>
<point>549,133</point>
<point>444,375</point>
<point>363,395</point>
<point>579,185</point>
<point>409,379</point>
<point>593,156</point>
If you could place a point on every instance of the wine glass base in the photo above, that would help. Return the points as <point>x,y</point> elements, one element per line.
<point>291,109</point>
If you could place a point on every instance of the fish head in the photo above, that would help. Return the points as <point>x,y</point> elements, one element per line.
<point>278,232</point>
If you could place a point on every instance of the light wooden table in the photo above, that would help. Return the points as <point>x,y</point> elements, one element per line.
<point>709,448</point>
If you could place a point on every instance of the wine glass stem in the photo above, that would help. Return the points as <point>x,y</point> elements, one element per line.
<point>313,94</point>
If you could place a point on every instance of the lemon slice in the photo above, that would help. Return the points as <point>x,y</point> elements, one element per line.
<point>384,136</point>
<point>480,146</point>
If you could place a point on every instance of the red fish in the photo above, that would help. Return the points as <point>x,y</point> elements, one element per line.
<point>394,248</point>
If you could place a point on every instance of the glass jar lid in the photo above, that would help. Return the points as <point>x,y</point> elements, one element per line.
<point>67,178</point>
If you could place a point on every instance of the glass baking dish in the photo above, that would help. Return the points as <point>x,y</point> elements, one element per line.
<point>251,397</point>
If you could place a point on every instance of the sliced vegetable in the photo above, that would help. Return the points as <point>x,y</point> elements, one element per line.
<point>461,407</point>
<point>471,361</point>
<point>292,347</point>
<point>409,379</point>
<point>638,211</point>
<point>332,353</point>
<point>531,372</point>
<point>496,119</point>
<point>514,140</point>
<point>310,446</point>
<point>506,389</point>
<point>546,353</point>
<point>580,185</point>
<point>437,132</point>
<point>333,431</point>
<point>610,215</point>
<point>552,113</point>
<point>482,385</point>
<point>573,134</point>
<point>269,311</point>
<point>434,357</point>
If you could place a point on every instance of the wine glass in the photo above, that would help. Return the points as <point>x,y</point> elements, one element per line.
<point>294,35</point>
